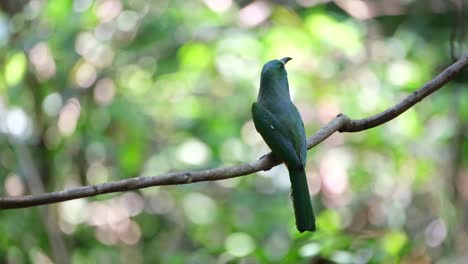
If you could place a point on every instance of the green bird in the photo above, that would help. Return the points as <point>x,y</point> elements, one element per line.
<point>276,118</point>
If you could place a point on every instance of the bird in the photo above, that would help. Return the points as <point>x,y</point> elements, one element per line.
<point>279,123</point>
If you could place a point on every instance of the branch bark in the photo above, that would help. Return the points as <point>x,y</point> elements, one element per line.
<point>341,123</point>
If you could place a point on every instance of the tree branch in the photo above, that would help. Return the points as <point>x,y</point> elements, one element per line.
<point>409,101</point>
<point>340,123</point>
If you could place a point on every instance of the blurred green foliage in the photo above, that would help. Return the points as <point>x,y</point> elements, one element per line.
<point>93,91</point>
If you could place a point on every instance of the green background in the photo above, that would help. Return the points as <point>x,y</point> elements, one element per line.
<point>98,91</point>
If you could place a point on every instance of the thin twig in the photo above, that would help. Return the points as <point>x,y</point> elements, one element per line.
<point>340,123</point>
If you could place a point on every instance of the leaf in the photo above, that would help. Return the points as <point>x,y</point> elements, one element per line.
<point>328,221</point>
<point>15,68</point>
<point>394,242</point>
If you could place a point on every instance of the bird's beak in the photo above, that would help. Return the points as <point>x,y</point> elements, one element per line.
<point>285,60</point>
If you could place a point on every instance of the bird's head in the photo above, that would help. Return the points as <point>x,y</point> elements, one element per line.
<point>275,67</point>
<point>274,72</point>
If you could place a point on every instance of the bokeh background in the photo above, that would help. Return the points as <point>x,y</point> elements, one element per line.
<point>101,90</point>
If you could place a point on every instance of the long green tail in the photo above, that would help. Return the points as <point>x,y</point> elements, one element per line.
<point>305,219</point>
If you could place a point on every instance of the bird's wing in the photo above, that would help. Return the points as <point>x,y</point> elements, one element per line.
<point>297,128</point>
<point>277,135</point>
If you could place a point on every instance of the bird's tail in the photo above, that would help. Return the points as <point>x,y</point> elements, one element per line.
<point>305,219</point>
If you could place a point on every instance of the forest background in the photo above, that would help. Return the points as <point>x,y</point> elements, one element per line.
<point>98,91</point>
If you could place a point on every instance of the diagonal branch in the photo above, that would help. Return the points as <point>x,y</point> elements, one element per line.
<point>340,123</point>
<point>409,101</point>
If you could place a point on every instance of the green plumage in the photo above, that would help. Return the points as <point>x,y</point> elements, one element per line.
<point>276,118</point>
